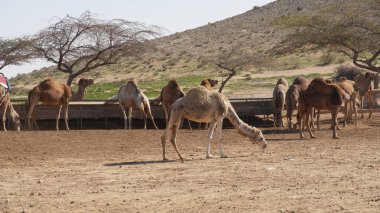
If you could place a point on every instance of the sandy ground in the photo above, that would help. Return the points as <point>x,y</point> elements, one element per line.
<point>122,171</point>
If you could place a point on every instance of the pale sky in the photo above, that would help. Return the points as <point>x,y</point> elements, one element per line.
<point>26,17</point>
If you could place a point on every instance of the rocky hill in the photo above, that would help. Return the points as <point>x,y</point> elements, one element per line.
<point>180,55</point>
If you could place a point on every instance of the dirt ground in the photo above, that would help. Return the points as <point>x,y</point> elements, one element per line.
<point>122,171</point>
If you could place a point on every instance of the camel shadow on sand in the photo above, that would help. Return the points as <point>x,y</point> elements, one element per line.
<point>134,163</point>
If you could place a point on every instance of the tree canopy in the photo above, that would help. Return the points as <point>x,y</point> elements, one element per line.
<point>14,51</point>
<point>352,28</point>
<point>79,45</point>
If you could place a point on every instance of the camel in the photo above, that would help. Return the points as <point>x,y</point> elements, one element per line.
<point>129,96</point>
<point>52,92</point>
<point>299,85</point>
<point>363,83</point>
<point>203,105</point>
<point>279,93</point>
<point>209,84</point>
<point>320,95</point>
<point>83,83</point>
<point>349,87</point>
<point>6,109</point>
<point>170,93</point>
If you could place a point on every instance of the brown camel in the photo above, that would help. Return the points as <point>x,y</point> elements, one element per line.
<point>52,92</point>
<point>129,96</point>
<point>363,83</point>
<point>299,85</point>
<point>320,95</point>
<point>279,93</point>
<point>170,93</point>
<point>6,109</point>
<point>209,83</point>
<point>203,105</point>
<point>83,83</point>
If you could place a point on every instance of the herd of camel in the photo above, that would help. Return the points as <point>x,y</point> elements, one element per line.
<point>321,94</point>
<point>203,104</point>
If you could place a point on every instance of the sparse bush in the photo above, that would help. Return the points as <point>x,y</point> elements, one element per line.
<point>347,71</point>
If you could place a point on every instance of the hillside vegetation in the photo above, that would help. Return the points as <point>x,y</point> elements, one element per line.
<point>180,56</point>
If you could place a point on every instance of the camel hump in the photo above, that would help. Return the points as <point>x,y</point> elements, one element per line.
<point>282,81</point>
<point>49,84</point>
<point>173,84</point>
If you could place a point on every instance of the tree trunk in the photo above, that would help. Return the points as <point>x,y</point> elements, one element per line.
<point>70,79</point>
<point>230,75</point>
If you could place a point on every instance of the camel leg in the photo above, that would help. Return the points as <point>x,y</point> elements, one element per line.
<point>34,117</point>
<point>219,126</point>
<point>289,117</point>
<point>121,105</point>
<point>345,113</point>
<point>174,142</point>
<point>334,121</point>
<point>57,117</point>
<point>130,117</point>
<point>151,117</point>
<point>308,121</point>
<point>66,109</point>
<point>300,122</point>
<point>4,108</point>
<point>163,141</point>
<point>188,123</point>
<point>209,138</point>
<point>166,113</point>
<point>371,104</point>
<point>30,113</point>
<point>356,112</point>
<point>361,104</point>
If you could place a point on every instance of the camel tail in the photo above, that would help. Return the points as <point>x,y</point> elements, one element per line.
<point>241,126</point>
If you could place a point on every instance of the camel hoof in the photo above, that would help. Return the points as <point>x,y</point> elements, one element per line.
<point>209,156</point>
<point>223,156</point>
<point>335,137</point>
<point>312,136</point>
<point>182,160</point>
<point>165,159</point>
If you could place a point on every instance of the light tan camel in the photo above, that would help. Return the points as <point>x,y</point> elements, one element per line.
<point>209,84</point>
<point>129,96</point>
<point>203,105</point>
<point>299,85</point>
<point>6,109</point>
<point>279,94</point>
<point>52,92</point>
<point>349,87</point>
<point>363,83</point>
<point>320,95</point>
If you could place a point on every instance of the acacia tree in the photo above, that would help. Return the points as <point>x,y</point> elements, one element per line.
<point>352,28</point>
<point>233,59</point>
<point>79,45</point>
<point>14,51</point>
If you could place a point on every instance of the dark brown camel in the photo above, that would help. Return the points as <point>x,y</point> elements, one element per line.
<point>320,95</point>
<point>299,85</point>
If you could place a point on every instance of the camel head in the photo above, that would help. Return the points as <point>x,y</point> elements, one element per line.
<point>209,83</point>
<point>259,139</point>
<point>84,82</point>
<point>212,82</point>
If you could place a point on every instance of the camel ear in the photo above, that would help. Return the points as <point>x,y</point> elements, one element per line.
<point>367,74</point>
